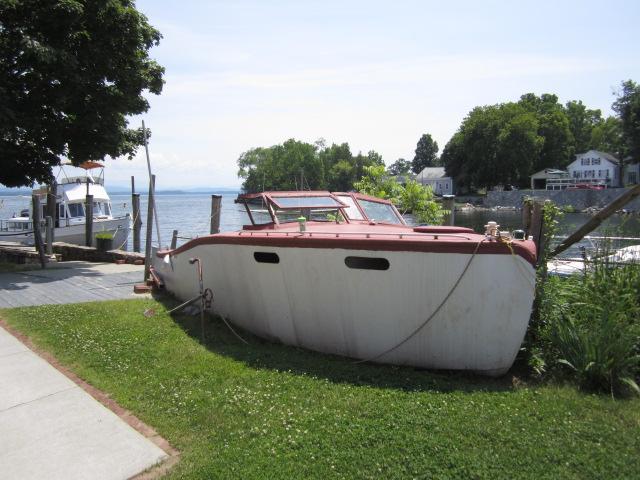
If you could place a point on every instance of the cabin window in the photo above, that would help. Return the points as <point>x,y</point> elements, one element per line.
<point>266,257</point>
<point>352,211</point>
<point>367,263</point>
<point>380,212</point>
<point>75,209</point>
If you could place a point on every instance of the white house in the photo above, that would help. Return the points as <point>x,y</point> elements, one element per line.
<point>437,179</point>
<point>594,167</point>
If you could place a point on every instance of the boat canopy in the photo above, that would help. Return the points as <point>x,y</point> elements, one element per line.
<point>282,207</point>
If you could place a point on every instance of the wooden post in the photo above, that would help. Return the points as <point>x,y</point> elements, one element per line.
<point>88,221</point>
<point>147,250</point>
<point>137,221</point>
<point>52,206</point>
<point>448,203</point>
<point>174,240</point>
<point>537,225</point>
<point>49,235</point>
<point>216,201</point>
<point>526,217</point>
<point>36,217</point>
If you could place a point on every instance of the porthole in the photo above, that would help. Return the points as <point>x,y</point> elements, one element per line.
<point>266,257</point>
<point>367,263</point>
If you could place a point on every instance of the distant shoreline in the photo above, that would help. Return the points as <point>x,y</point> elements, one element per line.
<point>15,192</point>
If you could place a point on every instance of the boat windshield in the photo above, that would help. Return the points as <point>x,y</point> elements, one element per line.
<point>352,210</point>
<point>379,212</point>
<point>291,202</point>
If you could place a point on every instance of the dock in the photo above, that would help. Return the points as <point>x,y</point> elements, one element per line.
<point>69,282</point>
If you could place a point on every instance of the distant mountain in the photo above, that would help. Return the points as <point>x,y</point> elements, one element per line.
<point>122,190</point>
<point>14,191</point>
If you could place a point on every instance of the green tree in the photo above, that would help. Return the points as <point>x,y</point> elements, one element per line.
<point>70,73</point>
<point>339,167</point>
<point>281,167</point>
<point>426,153</point>
<point>627,106</point>
<point>606,136</point>
<point>582,122</point>
<point>553,126</point>
<point>400,167</point>
<point>498,144</point>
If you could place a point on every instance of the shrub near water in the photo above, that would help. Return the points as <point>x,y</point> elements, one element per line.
<point>590,326</point>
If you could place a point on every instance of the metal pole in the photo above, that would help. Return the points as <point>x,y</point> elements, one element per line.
<point>155,211</point>
<point>216,201</point>
<point>150,209</point>
<point>88,220</point>
<point>49,235</point>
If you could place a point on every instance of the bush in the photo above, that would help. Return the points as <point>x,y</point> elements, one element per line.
<point>104,235</point>
<point>590,326</point>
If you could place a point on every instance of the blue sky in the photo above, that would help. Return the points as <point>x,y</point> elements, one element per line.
<point>243,74</point>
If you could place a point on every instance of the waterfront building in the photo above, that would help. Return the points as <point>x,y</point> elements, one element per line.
<point>595,168</point>
<point>436,178</point>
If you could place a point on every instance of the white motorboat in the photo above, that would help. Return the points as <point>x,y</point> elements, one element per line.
<point>343,274</point>
<point>72,186</point>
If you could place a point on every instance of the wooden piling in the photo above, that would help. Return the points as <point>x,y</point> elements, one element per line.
<point>174,239</point>
<point>36,217</point>
<point>49,235</point>
<point>137,218</point>
<point>147,250</point>
<point>526,217</point>
<point>88,223</point>
<point>537,220</point>
<point>52,206</point>
<point>137,221</point>
<point>216,202</point>
<point>448,203</point>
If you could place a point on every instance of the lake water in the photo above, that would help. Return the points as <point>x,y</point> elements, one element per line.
<point>189,214</point>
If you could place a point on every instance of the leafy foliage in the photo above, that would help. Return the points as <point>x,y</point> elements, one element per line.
<point>590,324</point>
<point>296,165</point>
<point>426,154</point>
<point>627,106</point>
<point>70,73</point>
<point>400,167</point>
<point>495,144</point>
<point>410,198</point>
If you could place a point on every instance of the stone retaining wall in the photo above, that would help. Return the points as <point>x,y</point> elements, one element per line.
<point>579,199</point>
<point>68,252</point>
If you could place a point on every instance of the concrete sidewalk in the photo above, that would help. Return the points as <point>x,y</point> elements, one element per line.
<point>69,282</point>
<point>51,428</point>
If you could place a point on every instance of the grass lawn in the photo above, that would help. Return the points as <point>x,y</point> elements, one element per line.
<point>270,411</point>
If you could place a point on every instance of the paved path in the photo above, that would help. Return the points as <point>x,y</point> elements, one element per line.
<point>69,282</point>
<point>51,428</point>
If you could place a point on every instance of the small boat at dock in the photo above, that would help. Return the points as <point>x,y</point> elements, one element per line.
<point>73,184</point>
<point>342,273</point>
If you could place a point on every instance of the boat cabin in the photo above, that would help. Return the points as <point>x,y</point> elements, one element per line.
<point>275,208</point>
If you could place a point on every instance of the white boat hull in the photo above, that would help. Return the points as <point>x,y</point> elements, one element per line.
<point>313,300</point>
<point>75,234</point>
